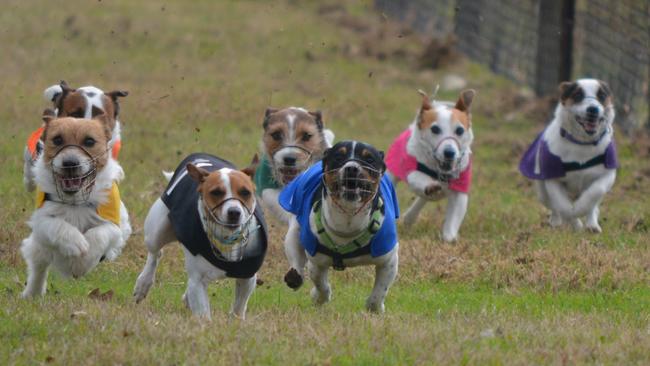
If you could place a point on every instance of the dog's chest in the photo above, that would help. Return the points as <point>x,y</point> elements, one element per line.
<point>81,217</point>
<point>578,181</point>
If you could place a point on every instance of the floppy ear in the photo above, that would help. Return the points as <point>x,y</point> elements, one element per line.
<point>58,99</point>
<point>198,174</point>
<point>318,117</point>
<point>426,103</point>
<point>252,167</point>
<point>465,100</point>
<point>47,118</point>
<point>117,94</point>
<point>606,88</point>
<point>566,89</point>
<point>269,111</point>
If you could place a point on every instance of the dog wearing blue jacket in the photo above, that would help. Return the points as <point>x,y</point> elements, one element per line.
<point>345,212</point>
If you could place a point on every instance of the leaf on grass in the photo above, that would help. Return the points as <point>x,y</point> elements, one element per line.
<point>77,314</point>
<point>96,294</point>
<point>49,359</point>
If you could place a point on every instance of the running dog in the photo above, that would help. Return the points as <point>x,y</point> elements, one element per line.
<point>77,220</point>
<point>434,157</point>
<point>345,211</point>
<point>85,102</point>
<point>573,161</point>
<point>210,207</point>
<point>294,138</point>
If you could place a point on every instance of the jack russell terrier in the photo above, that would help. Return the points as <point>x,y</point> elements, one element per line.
<point>573,161</point>
<point>210,208</point>
<point>86,102</point>
<point>434,157</point>
<point>345,211</point>
<point>77,219</point>
<point>294,138</point>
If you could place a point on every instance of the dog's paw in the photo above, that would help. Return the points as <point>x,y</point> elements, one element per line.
<point>555,220</point>
<point>449,237</point>
<point>375,306</point>
<point>293,279</point>
<point>593,227</point>
<point>321,297</point>
<point>142,287</point>
<point>77,247</point>
<point>577,224</point>
<point>434,191</point>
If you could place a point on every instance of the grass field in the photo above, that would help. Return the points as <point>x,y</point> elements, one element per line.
<point>200,74</point>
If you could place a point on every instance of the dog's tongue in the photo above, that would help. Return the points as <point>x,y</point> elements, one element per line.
<point>71,184</point>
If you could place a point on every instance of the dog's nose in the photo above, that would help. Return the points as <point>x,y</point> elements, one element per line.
<point>289,160</point>
<point>449,153</point>
<point>233,214</point>
<point>70,163</point>
<point>593,110</point>
<point>351,170</point>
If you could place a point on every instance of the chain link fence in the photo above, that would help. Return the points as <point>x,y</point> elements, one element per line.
<point>540,43</point>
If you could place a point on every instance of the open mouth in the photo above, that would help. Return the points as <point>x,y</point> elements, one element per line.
<point>287,174</point>
<point>589,123</point>
<point>71,185</point>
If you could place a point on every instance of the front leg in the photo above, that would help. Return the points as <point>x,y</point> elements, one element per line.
<point>243,289</point>
<point>295,255</point>
<point>321,292</point>
<point>588,202</point>
<point>385,274</point>
<point>101,239</point>
<point>270,199</point>
<point>560,204</point>
<point>456,209</point>
<point>196,297</point>
<point>38,260</point>
<point>57,233</point>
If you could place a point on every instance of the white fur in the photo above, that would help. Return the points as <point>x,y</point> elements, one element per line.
<point>72,238</point>
<point>337,223</point>
<point>423,144</point>
<point>578,194</point>
<point>158,232</point>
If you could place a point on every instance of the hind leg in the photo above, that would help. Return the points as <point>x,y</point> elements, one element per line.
<point>321,292</point>
<point>38,260</point>
<point>158,232</point>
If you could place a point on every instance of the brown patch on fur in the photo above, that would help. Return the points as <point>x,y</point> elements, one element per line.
<point>305,124</point>
<point>427,114</point>
<point>72,103</point>
<point>461,117</point>
<point>211,183</point>
<point>73,131</point>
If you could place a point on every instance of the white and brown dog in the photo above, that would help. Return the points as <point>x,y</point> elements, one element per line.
<point>77,220</point>
<point>210,207</point>
<point>573,161</point>
<point>294,138</point>
<point>86,102</point>
<point>434,157</point>
<point>345,212</point>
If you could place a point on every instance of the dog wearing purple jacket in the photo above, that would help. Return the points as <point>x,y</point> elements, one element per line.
<point>573,161</point>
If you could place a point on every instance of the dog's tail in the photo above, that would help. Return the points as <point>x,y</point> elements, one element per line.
<point>329,137</point>
<point>52,92</point>
<point>168,175</point>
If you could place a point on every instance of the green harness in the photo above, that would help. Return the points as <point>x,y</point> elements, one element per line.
<point>360,241</point>
<point>264,177</point>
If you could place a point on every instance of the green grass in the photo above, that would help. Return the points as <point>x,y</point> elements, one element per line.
<point>200,74</point>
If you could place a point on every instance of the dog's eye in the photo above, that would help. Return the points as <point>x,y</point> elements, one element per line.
<point>306,137</point>
<point>79,113</point>
<point>460,131</point>
<point>245,193</point>
<point>217,192</point>
<point>436,130</point>
<point>277,135</point>
<point>601,95</point>
<point>57,140</point>
<point>578,96</point>
<point>89,142</point>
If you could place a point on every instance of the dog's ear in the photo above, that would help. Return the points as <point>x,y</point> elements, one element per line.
<point>426,102</point>
<point>51,93</point>
<point>198,174</point>
<point>48,116</point>
<point>252,167</point>
<point>566,89</point>
<point>58,99</point>
<point>605,88</point>
<point>383,162</point>
<point>117,94</point>
<point>465,100</point>
<point>269,111</point>
<point>106,122</point>
<point>318,117</point>
<point>48,112</point>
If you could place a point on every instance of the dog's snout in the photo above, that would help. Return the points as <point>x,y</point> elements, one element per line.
<point>593,110</point>
<point>70,163</point>
<point>351,170</point>
<point>289,160</point>
<point>449,153</point>
<point>233,215</point>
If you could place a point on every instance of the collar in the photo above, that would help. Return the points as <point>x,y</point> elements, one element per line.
<point>564,133</point>
<point>441,177</point>
<point>361,240</point>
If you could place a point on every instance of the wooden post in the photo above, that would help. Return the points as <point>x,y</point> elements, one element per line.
<point>554,44</point>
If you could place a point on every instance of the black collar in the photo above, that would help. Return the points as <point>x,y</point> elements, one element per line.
<point>434,174</point>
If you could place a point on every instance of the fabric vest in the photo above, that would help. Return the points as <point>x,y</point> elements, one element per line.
<point>264,177</point>
<point>109,210</point>
<point>181,198</point>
